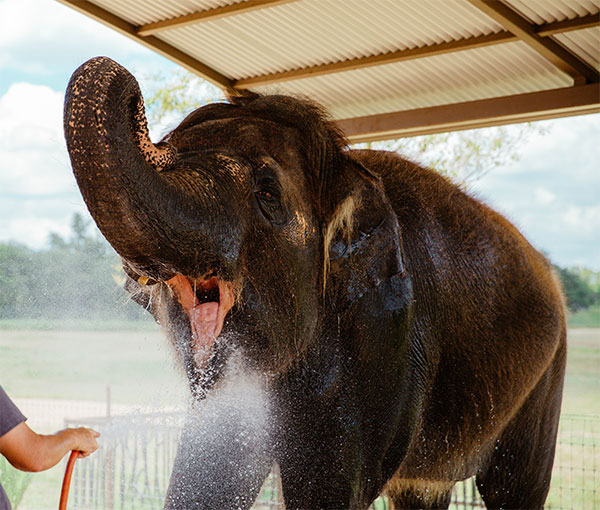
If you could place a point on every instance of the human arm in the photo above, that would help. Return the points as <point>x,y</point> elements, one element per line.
<point>28,451</point>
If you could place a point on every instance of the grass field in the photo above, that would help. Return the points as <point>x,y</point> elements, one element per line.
<point>139,367</point>
<point>587,318</point>
<point>582,383</point>
<point>75,364</point>
<point>78,364</point>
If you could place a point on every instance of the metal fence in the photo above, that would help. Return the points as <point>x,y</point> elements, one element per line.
<point>576,474</point>
<point>132,468</point>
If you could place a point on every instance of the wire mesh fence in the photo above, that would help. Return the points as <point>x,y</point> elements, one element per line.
<point>132,468</point>
<point>576,475</point>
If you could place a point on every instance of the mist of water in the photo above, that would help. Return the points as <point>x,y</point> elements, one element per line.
<point>223,452</point>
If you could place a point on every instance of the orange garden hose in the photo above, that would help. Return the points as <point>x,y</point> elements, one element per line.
<point>64,493</point>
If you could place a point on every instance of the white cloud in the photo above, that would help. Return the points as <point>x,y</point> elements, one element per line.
<point>543,196</point>
<point>553,191</point>
<point>38,194</point>
<point>17,21</point>
<point>570,145</point>
<point>34,32</point>
<point>32,148</point>
<point>37,230</point>
<point>25,104</point>
<point>584,220</point>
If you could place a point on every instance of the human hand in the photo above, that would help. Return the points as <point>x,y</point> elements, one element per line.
<point>82,440</point>
<point>28,451</point>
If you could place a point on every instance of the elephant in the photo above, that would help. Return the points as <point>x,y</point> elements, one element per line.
<point>401,335</point>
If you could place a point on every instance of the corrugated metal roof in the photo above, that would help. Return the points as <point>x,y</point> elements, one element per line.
<point>451,78</point>
<point>549,11</point>
<point>290,36</point>
<point>583,43</point>
<point>139,12</point>
<point>364,58</point>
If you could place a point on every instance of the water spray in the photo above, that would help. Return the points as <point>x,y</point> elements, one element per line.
<point>64,493</point>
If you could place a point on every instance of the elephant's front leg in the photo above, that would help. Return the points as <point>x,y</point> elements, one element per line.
<point>307,483</point>
<point>325,475</point>
<point>321,464</point>
<point>222,460</point>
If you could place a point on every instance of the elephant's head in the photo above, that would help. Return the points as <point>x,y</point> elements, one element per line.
<point>248,227</point>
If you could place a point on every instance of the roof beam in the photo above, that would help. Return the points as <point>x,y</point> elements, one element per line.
<point>166,50</point>
<point>544,30</point>
<point>550,49</point>
<point>376,60</point>
<point>208,15</point>
<point>548,104</point>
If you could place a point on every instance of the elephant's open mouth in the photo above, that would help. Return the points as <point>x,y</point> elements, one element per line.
<point>206,303</point>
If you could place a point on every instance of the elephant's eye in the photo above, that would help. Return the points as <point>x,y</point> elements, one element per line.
<point>268,197</point>
<point>269,203</point>
<point>265,195</point>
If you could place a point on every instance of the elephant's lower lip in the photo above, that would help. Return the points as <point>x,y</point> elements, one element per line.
<point>206,319</point>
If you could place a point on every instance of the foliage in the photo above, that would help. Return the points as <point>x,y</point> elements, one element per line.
<point>14,482</point>
<point>463,155</point>
<point>170,99</point>
<point>580,286</point>
<point>73,278</point>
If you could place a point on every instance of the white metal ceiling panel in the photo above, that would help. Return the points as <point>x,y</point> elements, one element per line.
<point>453,78</point>
<point>549,11</point>
<point>139,12</point>
<point>585,44</point>
<point>312,32</point>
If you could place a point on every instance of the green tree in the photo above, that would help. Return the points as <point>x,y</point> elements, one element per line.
<point>84,238</point>
<point>580,293</point>
<point>72,279</point>
<point>464,155</point>
<point>170,99</point>
<point>16,279</point>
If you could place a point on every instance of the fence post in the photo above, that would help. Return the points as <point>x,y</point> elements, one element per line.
<point>109,490</point>
<point>108,401</point>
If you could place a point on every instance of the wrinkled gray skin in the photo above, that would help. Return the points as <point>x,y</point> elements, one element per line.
<point>401,334</point>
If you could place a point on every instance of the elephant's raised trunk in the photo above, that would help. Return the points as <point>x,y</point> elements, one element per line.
<point>149,217</point>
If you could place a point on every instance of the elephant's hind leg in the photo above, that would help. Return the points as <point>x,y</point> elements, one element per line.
<point>519,471</point>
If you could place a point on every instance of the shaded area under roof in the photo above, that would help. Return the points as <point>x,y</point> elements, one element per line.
<point>384,68</point>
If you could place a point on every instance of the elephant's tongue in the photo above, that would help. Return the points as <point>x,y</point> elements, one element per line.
<point>206,319</point>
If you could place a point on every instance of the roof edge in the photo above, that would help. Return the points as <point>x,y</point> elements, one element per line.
<point>531,106</point>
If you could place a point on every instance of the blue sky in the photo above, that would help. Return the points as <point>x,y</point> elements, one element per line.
<point>552,193</point>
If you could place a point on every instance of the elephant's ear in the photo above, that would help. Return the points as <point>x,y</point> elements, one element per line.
<point>362,242</point>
